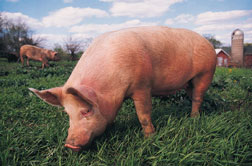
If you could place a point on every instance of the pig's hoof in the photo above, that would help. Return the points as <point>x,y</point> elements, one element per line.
<point>195,114</point>
<point>147,135</point>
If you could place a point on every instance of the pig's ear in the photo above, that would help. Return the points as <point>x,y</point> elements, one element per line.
<point>85,93</point>
<point>51,96</point>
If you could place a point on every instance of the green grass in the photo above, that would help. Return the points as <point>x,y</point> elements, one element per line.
<point>33,132</point>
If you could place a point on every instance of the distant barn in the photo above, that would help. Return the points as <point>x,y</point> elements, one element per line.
<point>248,56</point>
<point>223,58</point>
<point>248,61</point>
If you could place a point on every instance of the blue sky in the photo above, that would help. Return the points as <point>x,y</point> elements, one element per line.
<point>55,20</point>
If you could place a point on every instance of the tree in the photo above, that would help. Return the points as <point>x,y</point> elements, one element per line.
<point>247,48</point>
<point>14,35</point>
<point>247,44</point>
<point>2,33</point>
<point>72,46</point>
<point>76,47</point>
<point>211,38</point>
<point>60,52</point>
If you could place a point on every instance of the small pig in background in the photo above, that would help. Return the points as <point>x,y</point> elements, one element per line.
<point>136,63</point>
<point>38,54</point>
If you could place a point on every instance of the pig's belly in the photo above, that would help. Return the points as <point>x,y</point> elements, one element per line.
<point>168,91</point>
<point>170,86</point>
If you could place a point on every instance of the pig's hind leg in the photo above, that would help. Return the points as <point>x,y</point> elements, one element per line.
<point>142,101</point>
<point>22,59</point>
<point>44,63</point>
<point>27,61</point>
<point>200,85</point>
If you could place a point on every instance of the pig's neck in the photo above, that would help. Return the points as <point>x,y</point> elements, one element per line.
<point>109,104</point>
<point>110,93</point>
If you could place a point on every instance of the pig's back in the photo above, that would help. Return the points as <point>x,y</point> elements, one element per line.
<point>151,55</point>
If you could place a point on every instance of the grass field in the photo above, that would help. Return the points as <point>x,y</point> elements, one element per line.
<point>33,132</point>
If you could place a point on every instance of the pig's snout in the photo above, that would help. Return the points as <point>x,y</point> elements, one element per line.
<point>77,148</point>
<point>56,58</point>
<point>76,143</point>
<point>74,148</point>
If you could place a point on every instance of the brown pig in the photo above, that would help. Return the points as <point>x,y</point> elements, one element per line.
<point>38,54</point>
<point>135,63</point>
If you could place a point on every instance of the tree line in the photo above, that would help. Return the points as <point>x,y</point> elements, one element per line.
<point>15,34</point>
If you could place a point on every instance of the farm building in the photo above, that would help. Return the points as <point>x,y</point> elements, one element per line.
<point>248,60</point>
<point>248,56</point>
<point>224,53</point>
<point>237,47</point>
<point>223,58</point>
<point>238,55</point>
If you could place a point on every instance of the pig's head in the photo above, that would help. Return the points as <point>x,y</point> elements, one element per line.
<point>53,55</point>
<point>81,104</point>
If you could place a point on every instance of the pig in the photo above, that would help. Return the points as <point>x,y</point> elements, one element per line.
<point>135,63</point>
<point>38,54</point>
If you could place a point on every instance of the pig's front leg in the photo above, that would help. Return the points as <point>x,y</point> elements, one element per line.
<point>142,101</point>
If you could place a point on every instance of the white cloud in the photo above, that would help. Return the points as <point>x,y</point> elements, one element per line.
<point>81,36</point>
<point>216,17</point>
<point>50,36</point>
<point>223,31</point>
<point>20,18</point>
<point>67,1</point>
<point>223,27</point>
<point>169,21</point>
<point>51,39</point>
<point>140,8</point>
<point>221,24</point>
<point>70,16</point>
<point>248,36</point>
<point>95,29</point>
<point>210,18</point>
<point>226,37</point>
<point>181,19</point>
<point>86,31</point>
<point>184,18</point>
<point>248,33</point>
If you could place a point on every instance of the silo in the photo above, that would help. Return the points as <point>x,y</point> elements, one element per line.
<point>237,39</point>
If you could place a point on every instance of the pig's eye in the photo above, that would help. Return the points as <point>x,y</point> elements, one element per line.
<point>87,112</point>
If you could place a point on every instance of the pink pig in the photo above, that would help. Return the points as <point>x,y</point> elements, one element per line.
<point>38,54</point>
<point>135,63</point>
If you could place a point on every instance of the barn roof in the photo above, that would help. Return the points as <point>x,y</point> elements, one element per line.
<point>218,50</point>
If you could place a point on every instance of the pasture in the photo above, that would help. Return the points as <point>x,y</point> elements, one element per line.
<point>33,132</point>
